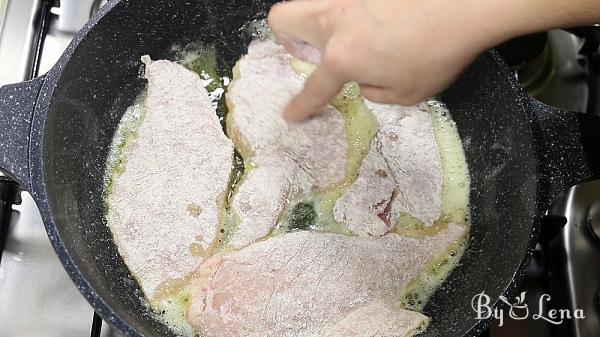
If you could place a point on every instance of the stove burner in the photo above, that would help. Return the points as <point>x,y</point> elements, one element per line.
<point>552,67</point>
<point>593,221</point>
<point>574,256</point>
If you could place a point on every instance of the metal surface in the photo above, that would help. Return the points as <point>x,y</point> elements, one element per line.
<point>593,221</point>
<point>72,15</point>
<point>33,284</point>
<point>17,39</point>
<point>565,85</point>
<point>8,197</point>
<point>3,4</point>
<point>65,22</point>
<point>555,67</point>
<point>574,257</point>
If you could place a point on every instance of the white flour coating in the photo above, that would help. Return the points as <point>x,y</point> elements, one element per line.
<point>287,159</point>
<point>410,149</point>
<point>176,172</point>
<point>302,282</point>
<point>360,206</point>
<point>401,174</point>
<point>377,319</point>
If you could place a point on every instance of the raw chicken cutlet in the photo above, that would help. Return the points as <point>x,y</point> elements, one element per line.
<point>306,283</point>
<point>176,172</point>
<point>376,319</point>
<point>409,147</point>
<point>286,160</point>
<point>401,174</point>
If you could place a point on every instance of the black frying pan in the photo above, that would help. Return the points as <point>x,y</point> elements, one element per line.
<point>55,133</point>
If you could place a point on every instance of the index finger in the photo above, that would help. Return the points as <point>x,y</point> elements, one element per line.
<point>320,87</point>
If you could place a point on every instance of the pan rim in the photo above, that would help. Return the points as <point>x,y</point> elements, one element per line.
<point>81,281</point>
<point>38,184</point>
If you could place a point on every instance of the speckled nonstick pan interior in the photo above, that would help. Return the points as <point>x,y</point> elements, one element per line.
<point>58,147</point>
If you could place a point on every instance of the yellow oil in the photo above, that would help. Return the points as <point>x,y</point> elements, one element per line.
<point>416,295</point>
<point>455,183</point>
<point>455,209</point>
<point>361,126</point>
<point>419,329</point>
<point>126,131</point>
<point>244,166</point>
<point>172,311</point>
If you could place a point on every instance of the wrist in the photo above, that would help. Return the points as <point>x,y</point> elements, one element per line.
<point>505,19</point>
<point>499,20</point>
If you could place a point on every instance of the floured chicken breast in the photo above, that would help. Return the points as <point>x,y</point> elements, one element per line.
<point>312,238</point>
<point>306,283</point>
<point>167,202</point>
<point>401,174</point>
<point>410,149</point>
<point>287,160</point>
<point>376,319</point>
<point>364,205</point>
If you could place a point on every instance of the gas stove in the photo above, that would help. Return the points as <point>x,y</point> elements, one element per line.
<point>560,68</point>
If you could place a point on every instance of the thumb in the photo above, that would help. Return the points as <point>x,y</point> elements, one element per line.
<point>320,87</point>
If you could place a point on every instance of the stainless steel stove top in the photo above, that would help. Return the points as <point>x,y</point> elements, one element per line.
<point>17,31</point>
<point>37,296</point>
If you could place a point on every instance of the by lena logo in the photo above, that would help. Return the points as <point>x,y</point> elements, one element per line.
<point>519,310</point>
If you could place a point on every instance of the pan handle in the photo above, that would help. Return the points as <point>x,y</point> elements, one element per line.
<point>17,103</point>
<point>568,147</point>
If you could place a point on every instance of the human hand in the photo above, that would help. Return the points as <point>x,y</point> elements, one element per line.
<point>402,51</point>
<point>398,51</point>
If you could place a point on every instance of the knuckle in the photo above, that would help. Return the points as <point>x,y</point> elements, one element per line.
<point>337,58</point>
<point>275,16</point>
<point>335,11</point>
